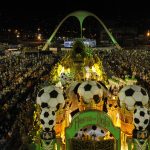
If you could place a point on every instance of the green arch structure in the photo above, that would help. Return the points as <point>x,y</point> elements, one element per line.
<point>81,15</point>
<point>92,117</point>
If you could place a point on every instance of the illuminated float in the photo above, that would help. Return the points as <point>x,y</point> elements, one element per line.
<point>77,109</point>
<point>82,109</point>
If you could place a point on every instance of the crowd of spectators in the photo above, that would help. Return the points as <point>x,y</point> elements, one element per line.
<point>22,76</point>
<point>20,79</point>
<point>133,63</point>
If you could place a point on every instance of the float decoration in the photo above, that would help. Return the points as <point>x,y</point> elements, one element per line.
<point>78,84</point>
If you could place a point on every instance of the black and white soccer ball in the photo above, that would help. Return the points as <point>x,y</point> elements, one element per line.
<point>141,118</point>
<point>48,135</point>
<point>56,98</point>
<point>133,95</point>
<point>48,119</point>
<point>93,132</point>
<point>64,78</point>
<point>90,90</point>
<point>51,97</point>
<point>79,134</point>
<point>96,132</point>
<point>43,97</point>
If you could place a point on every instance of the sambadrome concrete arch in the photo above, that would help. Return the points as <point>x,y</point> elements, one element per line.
<point>81,15</point>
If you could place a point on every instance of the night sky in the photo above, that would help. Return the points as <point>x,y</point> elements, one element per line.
<point>30,13</point>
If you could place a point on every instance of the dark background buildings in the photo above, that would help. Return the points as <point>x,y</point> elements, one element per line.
<point>124,18</point>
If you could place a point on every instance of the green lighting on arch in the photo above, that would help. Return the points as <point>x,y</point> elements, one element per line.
<point>81,15</point>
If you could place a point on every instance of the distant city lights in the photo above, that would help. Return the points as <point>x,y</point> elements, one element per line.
<point>18,35</point>
<point>39,37</point>
<point>148,33</point>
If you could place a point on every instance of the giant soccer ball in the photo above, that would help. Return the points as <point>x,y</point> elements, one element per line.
<point>56,98</point>
<point>133,95</point>
<point>89,90</point>
<point>43,97</point>
<point>50,97</point>
<point>48,119</point>
<point>141,118</point>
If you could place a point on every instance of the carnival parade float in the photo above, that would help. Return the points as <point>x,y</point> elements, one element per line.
<point>81,109</point>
